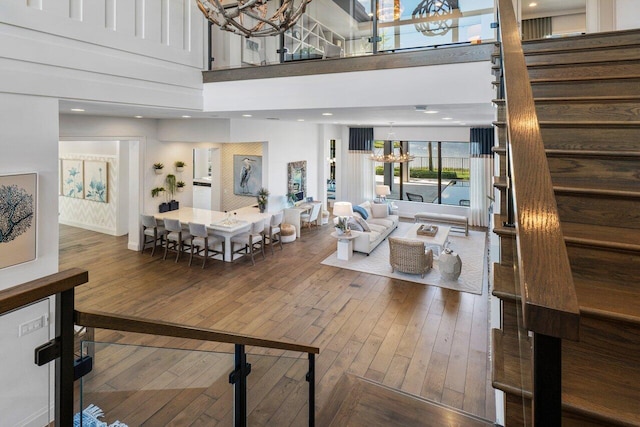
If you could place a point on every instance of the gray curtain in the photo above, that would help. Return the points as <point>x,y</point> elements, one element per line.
<point>537,28</point>
<point>361,139</point>
<point>481,143</point>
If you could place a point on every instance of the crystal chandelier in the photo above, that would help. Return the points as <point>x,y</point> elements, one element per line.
<point>250,18</point>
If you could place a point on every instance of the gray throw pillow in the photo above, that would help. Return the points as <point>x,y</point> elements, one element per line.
<point>363,223</point>
<point>353,224</point>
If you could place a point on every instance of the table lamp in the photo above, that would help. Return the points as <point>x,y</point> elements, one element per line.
<point>382,191</point>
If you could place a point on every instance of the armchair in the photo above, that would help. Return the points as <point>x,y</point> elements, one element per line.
<point>409,256</point>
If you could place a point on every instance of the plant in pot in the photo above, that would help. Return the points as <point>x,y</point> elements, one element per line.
<point>262,197</point>
<point>342,225</point>
<point>157,167</point>
<point>180,165</point>
<point>164,206</point>
<point>291,199</point>
<point>172,185</point>
<point>180,186</point>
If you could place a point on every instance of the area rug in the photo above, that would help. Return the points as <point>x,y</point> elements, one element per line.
<point>471,249</point>
<point>89,418</point>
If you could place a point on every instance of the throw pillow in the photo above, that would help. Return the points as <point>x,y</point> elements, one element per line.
<point>353,224</point>
<point>362,211</point>
<point>380,211</point>
<point>363,223</point>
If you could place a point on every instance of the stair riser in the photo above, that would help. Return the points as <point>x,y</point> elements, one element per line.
<point>588,138</point>
<point>507,248</point>
<point>588,111</point>
<point>620,268</point>
<point>585,88</point>
<point>611,173</point>
<point>597,210</point>
<point>511,317</point>
<point>615,69</point>
<point>594,55</point>
<point>600,40</point>
<point>606,338</point>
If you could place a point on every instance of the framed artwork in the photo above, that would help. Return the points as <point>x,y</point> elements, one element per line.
<point>96,182</point>
<point>18,202</point>
<point>247,175</point>
<point>72,178</point>
<point>297,177</point>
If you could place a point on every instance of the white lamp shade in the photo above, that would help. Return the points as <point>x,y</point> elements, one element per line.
<point>383,190</point>
<point>342,209</point>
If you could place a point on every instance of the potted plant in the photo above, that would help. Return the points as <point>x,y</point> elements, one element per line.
<point>291,199</point>
<point>164,206</point>
<point>342,226</point>
<point>172,184</point>
<point>263,196</point>
<point>180,186</point>
<point>157,167</point>
<point>180,165</point>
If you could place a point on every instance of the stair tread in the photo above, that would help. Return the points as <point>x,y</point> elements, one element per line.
<point>371,404</point>
<point>583,41</point>
<point>601,235</point>
<point>504,283</point>
<point>607,302</point>
<point>511,358</point>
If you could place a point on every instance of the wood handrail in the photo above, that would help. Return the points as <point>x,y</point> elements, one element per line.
<point>35,290</point>
<point>117,322</point>
<point>550,304</point>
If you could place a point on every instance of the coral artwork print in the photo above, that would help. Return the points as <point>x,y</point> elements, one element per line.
<point>17,219</point>
<point>72,178</point>
<point>95,181</point>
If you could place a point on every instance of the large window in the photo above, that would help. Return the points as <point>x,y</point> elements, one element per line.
<point>439,172</point>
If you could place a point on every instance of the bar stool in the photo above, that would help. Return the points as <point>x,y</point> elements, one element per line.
<point>274,230</point>
<point>252,241</point>
<point>151,230</point>
<point>204,243</point>
<point>176,237</point>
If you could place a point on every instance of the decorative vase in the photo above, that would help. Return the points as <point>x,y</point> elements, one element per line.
<point>179,168</point>
<point>174,205</point>
<point>339,231</point>
<point>262,208</point>
<point>180,189</point>
<point>158,171</point>
<point>164,207</point>
<point>449,265</point>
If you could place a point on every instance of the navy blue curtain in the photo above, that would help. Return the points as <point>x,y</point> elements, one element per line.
<point>482,141</point>
<point>361,139</point>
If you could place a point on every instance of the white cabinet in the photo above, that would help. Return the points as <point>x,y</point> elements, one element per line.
<point>309,38</point>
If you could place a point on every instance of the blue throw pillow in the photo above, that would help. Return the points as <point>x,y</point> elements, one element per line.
<point>362,211</point>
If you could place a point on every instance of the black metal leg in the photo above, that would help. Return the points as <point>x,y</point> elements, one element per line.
<point>64,364</point>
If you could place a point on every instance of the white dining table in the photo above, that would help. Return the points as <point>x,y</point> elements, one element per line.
<point>238,221</point>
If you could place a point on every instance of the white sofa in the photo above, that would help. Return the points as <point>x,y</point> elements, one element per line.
<point>380,223</point>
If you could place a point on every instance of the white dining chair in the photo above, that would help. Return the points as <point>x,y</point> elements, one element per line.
<point>252,241</point>
<point>151,233</point>
<point>308,218</point>
<point>204,244</point>
<point>176,237</point>
<point>274,235</point>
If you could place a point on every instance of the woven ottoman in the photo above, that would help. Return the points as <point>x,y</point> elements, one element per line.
<point>287,233</point>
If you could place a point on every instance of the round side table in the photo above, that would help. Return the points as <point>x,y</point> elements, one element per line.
<point>345,245</point>
<point>450,265</point>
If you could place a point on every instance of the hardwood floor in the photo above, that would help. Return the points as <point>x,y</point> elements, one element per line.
<point>426,341</point>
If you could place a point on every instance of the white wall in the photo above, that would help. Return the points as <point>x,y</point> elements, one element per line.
<point>568,24</point>
<point>29,141</point>
<point>627,14</point>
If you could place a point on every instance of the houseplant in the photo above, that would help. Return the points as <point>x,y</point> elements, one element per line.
<point>179,164</point>
<point>157,167</point>
<point>342,225</point>
<point>180,186</point>
<point>172,184</point>
<point>164,206</point>
<point>263,196</point>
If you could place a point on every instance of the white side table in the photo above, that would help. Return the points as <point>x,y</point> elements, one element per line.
<point>450,265</point>
<point>345,245</point>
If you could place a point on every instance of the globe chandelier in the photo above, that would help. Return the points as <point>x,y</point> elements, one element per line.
<point>251,18</point>
<point>434,17</point>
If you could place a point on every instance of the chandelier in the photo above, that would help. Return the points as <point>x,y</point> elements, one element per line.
<point>434,16</point>
<point>392,158</point>
<point>389,10</point>
<point>250,18</point>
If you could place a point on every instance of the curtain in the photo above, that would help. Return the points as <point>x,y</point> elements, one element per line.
<point>361,139</point>
<point>481,142</point>
<point>359,184</point>
<point>537,28</point>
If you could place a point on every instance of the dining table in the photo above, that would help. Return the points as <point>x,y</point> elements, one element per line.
<point>225,224</point>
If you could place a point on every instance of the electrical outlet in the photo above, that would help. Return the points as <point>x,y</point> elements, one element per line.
<point>33,325</point>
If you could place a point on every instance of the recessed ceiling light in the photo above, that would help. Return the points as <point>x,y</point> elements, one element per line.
<point>327,114</point>
<point>462,124</point>
<point>247,115</point>
<point>78,109</point>
<point>533,4</point>
<point>447,118</point>
<point>301,120</point>
<point>272,118</point>
<point>431,112</point>
<point>186,117</point>
<point>138,117</point>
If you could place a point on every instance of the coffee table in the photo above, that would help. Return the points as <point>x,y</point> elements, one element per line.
<point>438,241</point>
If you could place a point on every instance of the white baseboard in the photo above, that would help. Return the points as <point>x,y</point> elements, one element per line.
<point>89,227</point>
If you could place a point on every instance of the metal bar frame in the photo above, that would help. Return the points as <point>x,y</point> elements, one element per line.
<point>547,381</point>
<point>64,375</point>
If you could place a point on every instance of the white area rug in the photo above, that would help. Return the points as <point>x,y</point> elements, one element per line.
<point>471,249</point>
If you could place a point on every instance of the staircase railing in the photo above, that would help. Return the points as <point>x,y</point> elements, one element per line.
<point>549,303</point>
<point>61,348</point>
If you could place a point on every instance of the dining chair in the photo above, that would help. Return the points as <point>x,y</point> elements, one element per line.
<point>176,237</point>
<point>275,230</point>
<point>252,241</point>
<point>151,233</point>
<point>308,218</point>
<point>203,243</point>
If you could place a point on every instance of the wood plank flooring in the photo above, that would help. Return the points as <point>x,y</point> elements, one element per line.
<point>423,340</point>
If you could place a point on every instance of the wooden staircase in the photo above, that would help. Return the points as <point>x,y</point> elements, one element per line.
<point>587,98</point>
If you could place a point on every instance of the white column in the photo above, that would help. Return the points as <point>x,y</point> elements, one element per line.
<point>601,15</point>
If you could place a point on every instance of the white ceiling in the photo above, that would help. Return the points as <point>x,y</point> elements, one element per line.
<point>551,7</point>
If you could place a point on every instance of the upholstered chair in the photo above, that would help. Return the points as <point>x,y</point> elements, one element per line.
<point>204,244</point>
<point>274,234</point>
<point>252,241</point>
<point>308,218</point>
<point>409,256</point>
<point>151,233</point>
<point>176,237</point>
